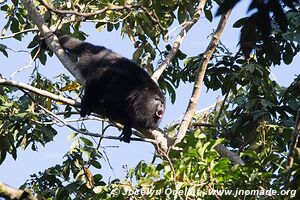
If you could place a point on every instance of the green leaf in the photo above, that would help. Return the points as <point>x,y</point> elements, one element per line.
<point>137,54</point>
<point>2,156</point>
<point>208,15</point>
<point>239,23</point>
<point>95,164</point>
<point>151,50</point>
<point>182,14</point>
<point>21,115</point>
<point>226,5</point>
<point>72,135</point>
<point>48,131</point>
<point>3,49</point>
<point>99,26</point>
<point>169,3</point>
<point>171,91</point>
<point>98,189</point>
<point>5,7</point>
<point>86,141</point>
<point>288,54</point>
<point>87,152</point>
<point>33,43</point>
<point>117,25</point>
<point>66,171</point>
<point>110,27</point>
<point>15,26</point>
<point>42,57</point>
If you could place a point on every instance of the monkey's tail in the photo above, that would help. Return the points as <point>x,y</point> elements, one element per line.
<point>70,43</point>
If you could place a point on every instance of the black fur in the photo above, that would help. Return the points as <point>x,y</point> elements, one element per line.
<point>116,87</point>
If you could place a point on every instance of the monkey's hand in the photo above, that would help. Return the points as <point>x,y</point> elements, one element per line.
<point>126,134</point>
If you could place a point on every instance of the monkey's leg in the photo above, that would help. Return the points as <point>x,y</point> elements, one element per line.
<point>86,103</point>
<point>126,133</point>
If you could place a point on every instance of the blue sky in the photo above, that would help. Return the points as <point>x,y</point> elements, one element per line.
<point>28,162</point>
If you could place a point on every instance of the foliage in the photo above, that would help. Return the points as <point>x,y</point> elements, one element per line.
<point>256,120</point>
<point>258,26</point>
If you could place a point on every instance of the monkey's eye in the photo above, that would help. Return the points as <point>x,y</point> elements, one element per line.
<point>157,98</point>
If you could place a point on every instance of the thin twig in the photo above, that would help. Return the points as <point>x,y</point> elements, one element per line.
<point>44,93</point>
<point>31,59</point>
<point>185,28</point>
<point>216,120</point>
<point>18,33</point>
<point>90,133</point>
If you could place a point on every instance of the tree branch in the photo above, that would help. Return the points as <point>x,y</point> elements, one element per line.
<point>17,33</point>
<point>44,93</point>
<point>233,157</point>
<point>51,39</point>
<point>93,134</point>
<point>200,76</point>
<point>186,27</point>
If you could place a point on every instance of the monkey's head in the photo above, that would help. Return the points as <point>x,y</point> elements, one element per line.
<point>147,109</point>
<point>155,108</point>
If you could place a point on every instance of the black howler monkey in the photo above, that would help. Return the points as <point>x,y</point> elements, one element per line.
<point>116,87</point>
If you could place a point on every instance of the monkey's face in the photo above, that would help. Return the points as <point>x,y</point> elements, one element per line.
<point>158,108</point>
<point>147,111</point>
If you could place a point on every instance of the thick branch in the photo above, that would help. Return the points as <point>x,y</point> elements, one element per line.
<point>200,76</point>
<point>51,39</point>
<point>233,157</point>
<point>186,27</point>
<point>44,93</point>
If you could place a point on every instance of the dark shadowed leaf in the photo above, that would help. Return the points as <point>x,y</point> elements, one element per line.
<point>248,36</point>
<point>239,23</point>
<point>264,22</point>
<point>288,54</point>
<point>279,14</point>
<point>226,5</point>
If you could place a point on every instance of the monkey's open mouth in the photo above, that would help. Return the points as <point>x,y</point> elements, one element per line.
<point>159,113</point>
